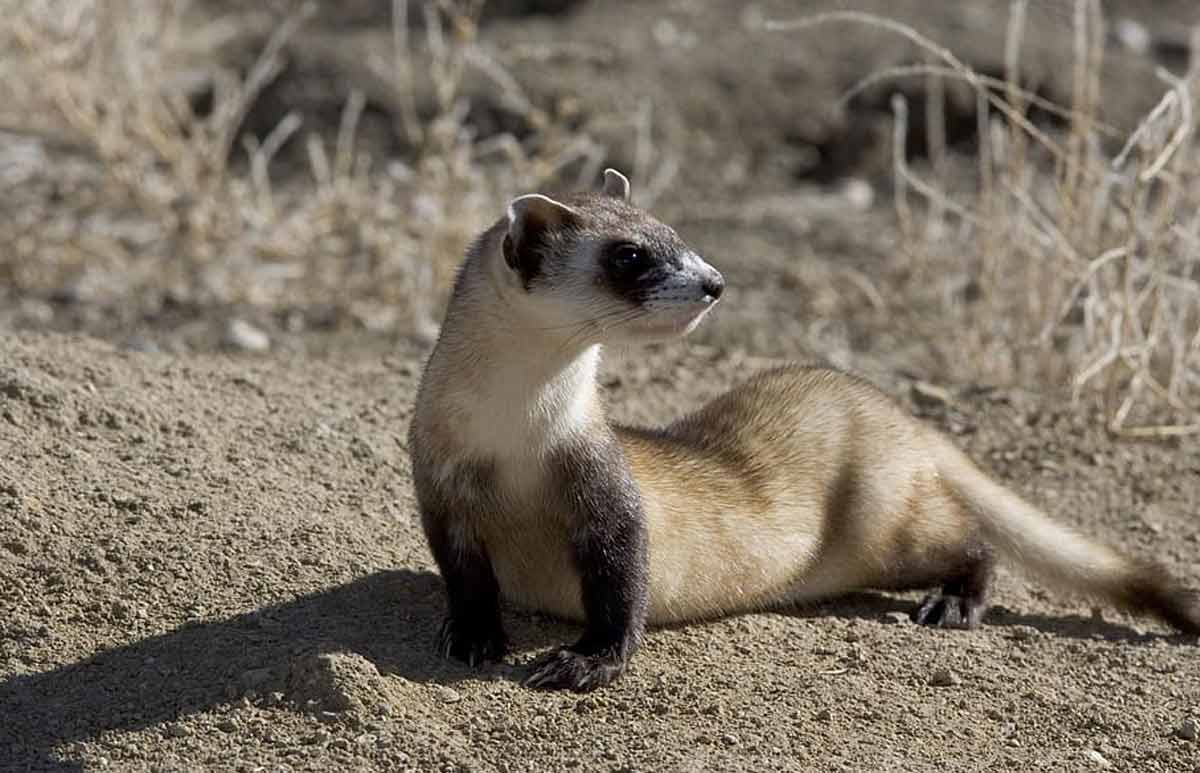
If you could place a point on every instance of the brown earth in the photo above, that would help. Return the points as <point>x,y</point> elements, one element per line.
<point>211,561</point>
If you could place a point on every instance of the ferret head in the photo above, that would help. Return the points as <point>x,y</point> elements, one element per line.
<point>593,268</point>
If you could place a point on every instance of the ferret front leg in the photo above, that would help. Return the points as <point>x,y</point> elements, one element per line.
<point>473,630</point>
<point>609,544</point>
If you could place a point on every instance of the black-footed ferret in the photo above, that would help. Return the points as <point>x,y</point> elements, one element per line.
<point>802,483</point>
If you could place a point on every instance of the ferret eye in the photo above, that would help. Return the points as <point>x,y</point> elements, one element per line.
<point>626,258</point>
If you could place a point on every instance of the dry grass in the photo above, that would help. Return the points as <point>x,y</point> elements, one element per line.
<point>1079,248</point>
<point>1085,251</point>
<point>168,206</point>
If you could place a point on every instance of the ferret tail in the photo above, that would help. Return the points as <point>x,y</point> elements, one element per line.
<point>1060,556</point>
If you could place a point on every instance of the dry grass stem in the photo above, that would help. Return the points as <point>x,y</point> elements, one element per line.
<point>121,84</point>
<point>1087,263</point>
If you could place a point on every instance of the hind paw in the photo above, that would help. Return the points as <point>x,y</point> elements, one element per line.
<point>944,610</point>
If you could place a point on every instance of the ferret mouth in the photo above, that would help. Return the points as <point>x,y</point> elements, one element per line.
<point>677,323</point>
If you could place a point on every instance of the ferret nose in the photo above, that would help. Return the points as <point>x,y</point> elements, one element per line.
<point>713,285</point>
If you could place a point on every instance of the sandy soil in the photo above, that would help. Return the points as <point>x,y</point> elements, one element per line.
<point>211,561</point>
<point>214,563</point>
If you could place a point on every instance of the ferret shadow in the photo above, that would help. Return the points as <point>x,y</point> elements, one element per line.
<point>390,618</point>
<point>880,607</point>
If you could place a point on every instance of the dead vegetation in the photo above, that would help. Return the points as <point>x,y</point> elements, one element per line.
<point>171,204</point>
<point>1075,259</point>
<point>1070,259</point>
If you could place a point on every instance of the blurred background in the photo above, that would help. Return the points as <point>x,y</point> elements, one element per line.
<point>976,191</point>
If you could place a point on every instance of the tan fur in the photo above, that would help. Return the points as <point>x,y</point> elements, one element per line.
<point>802,483</point>
<point>808,483</point>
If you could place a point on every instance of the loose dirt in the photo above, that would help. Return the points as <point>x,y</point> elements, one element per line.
<point>212,561</point>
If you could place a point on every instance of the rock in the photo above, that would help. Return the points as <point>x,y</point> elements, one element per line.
<point>927,395</point>
<point>858,193</point>
<point>335,682</point>
<point>1024,633</point>
<point>176,731</point>
<point>240,334</point>
<point>896,618</point>
<point>1098,758</point>
<point>1187,730</point>
<point>1133,36</point>
<point>944,677</point>
<point>449,694</point>
<point>824,715</point>
<point>729,739</point>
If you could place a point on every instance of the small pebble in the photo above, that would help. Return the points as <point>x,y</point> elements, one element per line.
<point>1187,730</point>
<point>858,193</point>
<point>176,731</point>
<point>1024,633</point>
<point>1134,36</point>
<point>824,715</point>
<point>1098,758</point>
<point>928,395</point>
<point>449,694</point>
<point>240,334</point>
<point>729,739</point>
<point>943,677</point>
<point>896,618</point>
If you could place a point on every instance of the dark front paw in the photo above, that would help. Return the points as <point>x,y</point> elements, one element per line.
<point>472,643</point>
<point>566,669</point>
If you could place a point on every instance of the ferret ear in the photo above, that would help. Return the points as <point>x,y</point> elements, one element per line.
<point>616,184</point>
<point>531,218</point>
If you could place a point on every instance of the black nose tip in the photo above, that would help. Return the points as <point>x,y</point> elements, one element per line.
<point>714,286</point>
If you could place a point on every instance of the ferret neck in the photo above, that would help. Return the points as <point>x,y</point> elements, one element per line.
<point>510,391</point>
